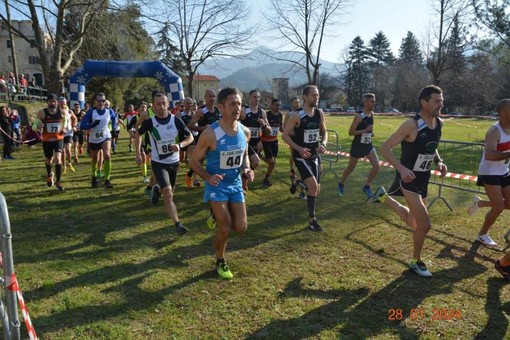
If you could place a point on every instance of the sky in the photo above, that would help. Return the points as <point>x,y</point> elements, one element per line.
<point>366,18</point>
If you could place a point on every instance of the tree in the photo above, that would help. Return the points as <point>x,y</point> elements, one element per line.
<point>356,74</point>
<point>205,30</point>
<point>168,51</point>
<point>409,74</point>
<point>493,16</point>
<point>381,58</point>
<point>455,69</point>
<point>302,25</point>
<point>409,51</point>
<point>56,50</point>
<point>436,56</point>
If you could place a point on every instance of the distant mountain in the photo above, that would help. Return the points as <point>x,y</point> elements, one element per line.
<point>257,68</point>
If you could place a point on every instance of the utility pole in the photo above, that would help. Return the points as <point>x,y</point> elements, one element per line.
<point>11,37</point>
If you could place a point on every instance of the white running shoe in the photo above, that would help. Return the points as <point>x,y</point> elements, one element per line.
<point>473,208</point>
<point>486,240</point>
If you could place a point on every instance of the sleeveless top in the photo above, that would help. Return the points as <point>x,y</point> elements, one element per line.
<point>365,138</point>
<point>275,121</point>
<point>52,126</point>
<point>101,132</point>
<point>208,117</point>
<point>419,155</point>
<point>228,156</point>
<point>164,133</point>
<point>307,134</point>
<point>251,121</point>
<point>497,168</point>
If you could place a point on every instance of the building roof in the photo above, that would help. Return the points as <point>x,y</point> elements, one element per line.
<point>205,77</point>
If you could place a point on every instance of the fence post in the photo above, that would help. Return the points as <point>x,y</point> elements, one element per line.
<point>8,266</point>
<point>331,156</point>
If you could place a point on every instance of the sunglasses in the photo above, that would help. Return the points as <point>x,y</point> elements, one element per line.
<point>100,100</point>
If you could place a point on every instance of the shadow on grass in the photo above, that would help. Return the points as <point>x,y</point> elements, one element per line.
<point>497,325</point>
<point>358,314</point>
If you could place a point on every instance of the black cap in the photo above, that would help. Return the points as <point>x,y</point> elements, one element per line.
<point>51,96</point>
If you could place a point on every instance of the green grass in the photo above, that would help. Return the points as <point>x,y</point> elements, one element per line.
<point>109,265</point>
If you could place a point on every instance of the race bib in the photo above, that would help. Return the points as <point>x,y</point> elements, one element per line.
<point>423,163</point>
<point>366,138</point>
<point>274,131</point>
<point>311,136</point>
<point>99,134</point>
<point>53,127</point>
<point>231,159</point>
<point>254,132</point>
<point>164,146</point>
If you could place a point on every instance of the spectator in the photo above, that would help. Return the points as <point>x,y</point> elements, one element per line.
<point>15,123</point>
<point>3,83</point>
<point>33,82</point>
<point>23,83</point>
<point>11,83</point>
<point>32,137</point>
<point>6,132</point>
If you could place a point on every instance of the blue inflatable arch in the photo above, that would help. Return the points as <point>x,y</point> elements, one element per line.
<point>124,69</point>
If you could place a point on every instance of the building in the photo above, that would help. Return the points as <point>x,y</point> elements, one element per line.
<point>201,83</point>
<point>281,89</point>
<point>27,56</point>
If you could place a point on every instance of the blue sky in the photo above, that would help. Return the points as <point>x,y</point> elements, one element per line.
<point>366,18</point>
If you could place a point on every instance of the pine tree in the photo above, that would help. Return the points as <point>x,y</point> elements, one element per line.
<point>356,77</point>
<point>381,59</point>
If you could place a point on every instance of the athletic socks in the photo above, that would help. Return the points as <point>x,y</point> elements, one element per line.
<point>48,169</point>
<point>144,170</point>
<point>311,201</point>
<point>58,171</point>
<point>107,169</point>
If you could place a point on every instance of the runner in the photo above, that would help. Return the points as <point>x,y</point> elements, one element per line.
<point>69,127</point>
<point>270,140</point>
<point>164,129</point>
<point>224,145</point>
<point>97,120</point>
<point>52,121</point>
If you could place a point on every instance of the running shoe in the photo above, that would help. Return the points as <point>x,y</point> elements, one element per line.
<point>75,159</point>
<point>419,268</point>
<point>505,271</point>
<point>223,271</point>
<point>189,181</point>
<point>94,182</point>
<point>59,186</point>
<point>130,148</point>
<point>71,167</point>
<point>340,189</point>
<point>315,226</point>
<point>211,222</point>
<point>155,194</point>
<point>9,158</point>
<point>108,184</point>
<point>64,170</point>
<point>367,190</point>
<point>181,230</point>
<point>266,182</point>
<point>197,183</point>
<point>49,181</point>
<point>473,208</point>
<point>486,240</point>
<point>379,196</point>
<point>302,195</point>
<point>100,174</point>
<point>146,179</point>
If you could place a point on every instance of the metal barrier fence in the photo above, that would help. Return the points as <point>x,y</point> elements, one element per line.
<point>31,93</point>
<point>10,321</point>
<point>462,159</point>
<point>332,156</point>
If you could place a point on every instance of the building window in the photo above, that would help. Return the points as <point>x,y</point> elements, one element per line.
<point>32,43</point>
<point>9,44</point>
<point>33,60</point>
<point>9,59</point>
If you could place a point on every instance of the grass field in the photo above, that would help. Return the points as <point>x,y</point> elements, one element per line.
<point>105,264</point>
